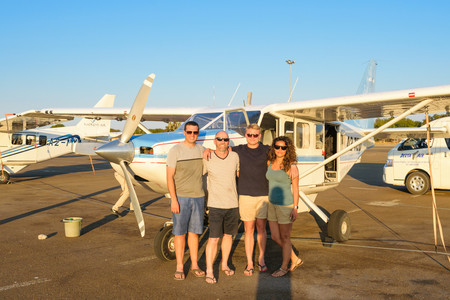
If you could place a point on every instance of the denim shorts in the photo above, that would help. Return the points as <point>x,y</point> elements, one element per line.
<point>190,218</point>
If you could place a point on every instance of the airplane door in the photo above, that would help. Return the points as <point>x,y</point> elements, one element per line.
<point>308,141</point>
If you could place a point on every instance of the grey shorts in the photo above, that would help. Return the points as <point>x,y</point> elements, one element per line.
<point>223,221</point>
<point>190,218</point>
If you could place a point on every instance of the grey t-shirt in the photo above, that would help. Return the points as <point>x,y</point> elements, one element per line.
<point>188,165</point>
<point>222,192</point>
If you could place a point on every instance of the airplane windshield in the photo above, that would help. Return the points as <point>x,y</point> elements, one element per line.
<point>235,120</point>
<point>200,119</point>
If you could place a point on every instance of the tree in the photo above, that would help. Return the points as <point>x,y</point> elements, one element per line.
<point>58,125</point>
<point>402,123</point>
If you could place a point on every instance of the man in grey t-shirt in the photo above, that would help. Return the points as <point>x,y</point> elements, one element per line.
<point>222,169</point>
<point>184,182</point>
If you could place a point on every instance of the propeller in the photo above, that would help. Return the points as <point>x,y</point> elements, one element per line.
<point>122,151</point>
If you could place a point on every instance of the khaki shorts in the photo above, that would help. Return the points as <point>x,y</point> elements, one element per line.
<point>252,208</point>
<point>280,213</point>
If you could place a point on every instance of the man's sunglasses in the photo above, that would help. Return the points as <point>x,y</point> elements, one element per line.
<point>222,139</point>
<point>278,147</point>
<point>252,135</point>
<point>193,132</point>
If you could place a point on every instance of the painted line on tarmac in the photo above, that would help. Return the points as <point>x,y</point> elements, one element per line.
<point>361,188</point>
<point>23,284</point>
<point>394,202</point>
<point>372,247</point>
<point>137,260</point>
<point>355,210</point>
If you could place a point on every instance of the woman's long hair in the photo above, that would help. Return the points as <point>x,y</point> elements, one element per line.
<point>290,156</point>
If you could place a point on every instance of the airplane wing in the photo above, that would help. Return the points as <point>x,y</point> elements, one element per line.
<point>165,114</point>
<point>374,105</point>
<point>29,120</point>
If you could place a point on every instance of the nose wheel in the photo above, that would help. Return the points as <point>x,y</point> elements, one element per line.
<point>164,245</point>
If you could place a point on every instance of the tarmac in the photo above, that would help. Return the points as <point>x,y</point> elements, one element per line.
<point>390,255</point>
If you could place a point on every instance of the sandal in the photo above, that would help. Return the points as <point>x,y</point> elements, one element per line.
<point>262,268</point>
<point>248,272</point>
<point>279,273</point>
<point>297,264</point>
<point>198,273</point>
<point>228,272</point>
<point>210,280</point>
<point>178,275</point>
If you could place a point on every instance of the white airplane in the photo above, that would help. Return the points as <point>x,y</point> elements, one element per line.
<point>330,136</point>
<point>22,148</point>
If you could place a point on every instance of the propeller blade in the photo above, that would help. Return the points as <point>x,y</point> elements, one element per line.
<point>134,199</point>
<point>135,115</point>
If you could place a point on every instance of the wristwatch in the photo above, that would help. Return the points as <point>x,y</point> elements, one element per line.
<point>296,206</point>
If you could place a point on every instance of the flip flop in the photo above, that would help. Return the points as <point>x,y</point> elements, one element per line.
<point>297,264</point>
<point>198,273</point>
<point>181,277</point>
<point>249,271</point>
<point>262,268</point>
<point>280,273</point>
<point>228,272</point>
<point>210,280</point>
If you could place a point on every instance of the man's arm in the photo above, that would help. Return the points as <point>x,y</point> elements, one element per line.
<point>174,206</point>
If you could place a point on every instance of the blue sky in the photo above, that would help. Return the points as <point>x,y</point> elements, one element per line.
<point>70,53</point>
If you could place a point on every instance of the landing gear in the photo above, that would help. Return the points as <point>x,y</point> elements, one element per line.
<point>4,177</point>
<point>339,226</point>
<point>164,246</point>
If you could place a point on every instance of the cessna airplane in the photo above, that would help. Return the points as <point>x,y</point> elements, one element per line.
<point>330,136</point>
<point>22,148</point>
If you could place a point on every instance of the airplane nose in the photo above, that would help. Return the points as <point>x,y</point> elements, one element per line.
<point>117,151</point>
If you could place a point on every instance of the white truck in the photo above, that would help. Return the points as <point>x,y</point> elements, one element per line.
<point>407,163</point>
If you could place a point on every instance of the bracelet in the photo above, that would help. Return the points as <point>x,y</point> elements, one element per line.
<point>296,206</point>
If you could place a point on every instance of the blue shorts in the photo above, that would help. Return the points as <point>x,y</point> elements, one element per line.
<point>190,218</point>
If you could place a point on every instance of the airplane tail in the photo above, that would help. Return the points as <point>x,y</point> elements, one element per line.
<point>94,127</point>
<point>366,86</point>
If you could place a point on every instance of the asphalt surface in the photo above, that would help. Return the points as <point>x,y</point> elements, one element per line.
<point>391,253</point>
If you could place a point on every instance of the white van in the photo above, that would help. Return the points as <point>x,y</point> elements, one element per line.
<point>407,163</point>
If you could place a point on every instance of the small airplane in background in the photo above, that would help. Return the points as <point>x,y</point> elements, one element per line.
<point>330,135</point>
<point>22,148</point>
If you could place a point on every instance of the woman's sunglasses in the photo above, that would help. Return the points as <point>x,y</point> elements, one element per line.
<point>278,147</point>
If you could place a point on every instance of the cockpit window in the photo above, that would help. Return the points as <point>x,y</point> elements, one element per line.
<point>235,120</point>
<point>201,119</point>
<point>16,139</point>
<point>414,143</point>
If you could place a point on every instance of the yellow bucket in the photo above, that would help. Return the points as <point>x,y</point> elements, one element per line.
<point>72,226</point>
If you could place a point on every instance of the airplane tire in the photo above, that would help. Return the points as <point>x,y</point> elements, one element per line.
<point>164,244</point>
<point>417,183</point>
<point>4,179</point>
<point>339,226</point>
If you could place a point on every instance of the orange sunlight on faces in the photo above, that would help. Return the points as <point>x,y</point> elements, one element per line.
<point>252,140</point>
<point>190,138</point>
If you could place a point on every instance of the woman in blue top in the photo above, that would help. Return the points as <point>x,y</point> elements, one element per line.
<point>283,201</point>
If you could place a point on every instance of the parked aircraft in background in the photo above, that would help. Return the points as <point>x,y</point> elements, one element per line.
<point>22,148</point>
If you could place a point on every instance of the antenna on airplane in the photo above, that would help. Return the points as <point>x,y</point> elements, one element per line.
<point>249,98</point>
<point>232,98</point>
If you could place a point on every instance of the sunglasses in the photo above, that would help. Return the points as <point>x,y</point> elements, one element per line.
<point>280,147</point>
<point>192,132</point>
<point>222,139</point>
<point>252,135</point>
